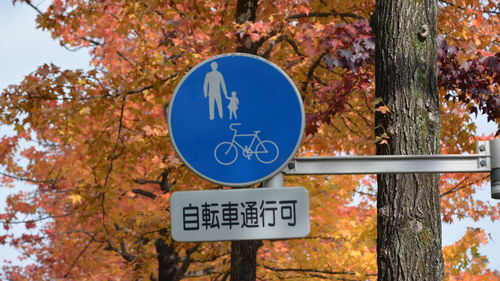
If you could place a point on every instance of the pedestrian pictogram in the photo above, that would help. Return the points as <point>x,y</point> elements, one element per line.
<point>236,119</point>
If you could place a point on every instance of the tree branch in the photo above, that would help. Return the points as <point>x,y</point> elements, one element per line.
<point>333,13</point>
<point>122,251</point>
<point>200,273</point>
<point>113,156</point>
<point>26,179</point>
<point>125,58</point>
<point>90,40</point>
<point>162,181</point>
<point>365,193</point>
<point>144,193</point>
<point>461,185</point>
<point>132,92</point>
<point>34,7</point>
<point>495,12</point>
<point>186,261</point>
<point>34,220</point>
<point>78,257</point>
<point>310,71</point>
<point>308,270</point>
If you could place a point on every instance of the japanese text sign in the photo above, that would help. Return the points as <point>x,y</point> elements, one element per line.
<point>240,214</point>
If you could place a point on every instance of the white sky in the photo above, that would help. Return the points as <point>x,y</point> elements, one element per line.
<point>23,48</point>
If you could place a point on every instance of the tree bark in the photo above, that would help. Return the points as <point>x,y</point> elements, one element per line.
<point>244,260</point>
<point>167,261</point>
<point>246,10</point>
<point>409,222</point>
<point>244,253</point>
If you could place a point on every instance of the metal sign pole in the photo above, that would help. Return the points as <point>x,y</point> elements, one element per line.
<point>495,168</point>
<point>275,181</point>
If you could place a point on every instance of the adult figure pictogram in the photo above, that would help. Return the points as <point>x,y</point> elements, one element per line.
<point>237,89</point>
<point>214,82</point>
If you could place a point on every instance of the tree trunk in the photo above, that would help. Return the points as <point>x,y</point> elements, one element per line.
<point>244,253</point>
<point>244,260</point>
<point>246,10</point>
<point>409,222</point>
<point>167,261</point>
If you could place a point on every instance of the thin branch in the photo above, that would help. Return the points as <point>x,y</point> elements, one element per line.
<point>186,261</point>
<point>294,46</point>
<point>122,251</point>
<point>90,40</point>
<point>267,53</point>
<point>367,122</point>
<point>310,71</point>
<point>225,276</point>
<point>125,58</point>
<point>112,158</point>
<point>34,7</point>
<point>34,220</point>
<point>132,92</point>
<point>333,13</point>
<point>162,181</point>
<point>342,117</point>
<point>312,271</point>
<point>78,257</point>
<point>324,238</point>
<point>91,235</point>
<point>145,181</point>
<point>144,193</point>
<point>308,270</point>
<point>210,259</point>
<point>200,273</point>
<point>461,185</point>
<point>495,12</point>
<point>365,193</point>
<point>26,179</point>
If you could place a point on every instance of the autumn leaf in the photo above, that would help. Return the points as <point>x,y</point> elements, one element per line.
<point>382,109</point>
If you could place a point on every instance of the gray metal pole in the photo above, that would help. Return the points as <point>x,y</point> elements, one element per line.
<point>495,168</point>
<point>487,159</point>
<point>276,181</point>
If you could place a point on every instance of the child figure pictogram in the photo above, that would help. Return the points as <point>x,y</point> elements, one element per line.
<point>233,105</point>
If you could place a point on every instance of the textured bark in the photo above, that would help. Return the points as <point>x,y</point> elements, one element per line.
<point>244,253</point>
<point>409,222</point>
<point>244,260</point>
<point>167,261</point>
<point>246,10</point>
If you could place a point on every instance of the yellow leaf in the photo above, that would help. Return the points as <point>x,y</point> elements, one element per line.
<point>85,110</point>
<point>75,198</point>
<point>384,109</point>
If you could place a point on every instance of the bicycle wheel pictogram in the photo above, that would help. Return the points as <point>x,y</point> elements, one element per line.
<point>266,152</point>
<point>225,153</point>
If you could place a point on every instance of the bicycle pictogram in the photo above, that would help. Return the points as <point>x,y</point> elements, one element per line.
<point>265,151</point>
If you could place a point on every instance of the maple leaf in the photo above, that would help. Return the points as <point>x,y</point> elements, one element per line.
<point>382,109</point>
<point>75,198</point>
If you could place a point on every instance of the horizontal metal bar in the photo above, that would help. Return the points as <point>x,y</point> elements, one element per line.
<point>389,164</point>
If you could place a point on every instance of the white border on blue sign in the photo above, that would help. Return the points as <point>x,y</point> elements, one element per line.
<point>168,112</point>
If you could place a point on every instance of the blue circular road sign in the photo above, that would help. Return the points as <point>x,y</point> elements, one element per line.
<point>236,119</point>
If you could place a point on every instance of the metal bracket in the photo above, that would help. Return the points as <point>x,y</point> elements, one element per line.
<point>483,149</point>
<point>487,159</point>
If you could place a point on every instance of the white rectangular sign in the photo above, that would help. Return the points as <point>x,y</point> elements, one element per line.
<point>240,214</point>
